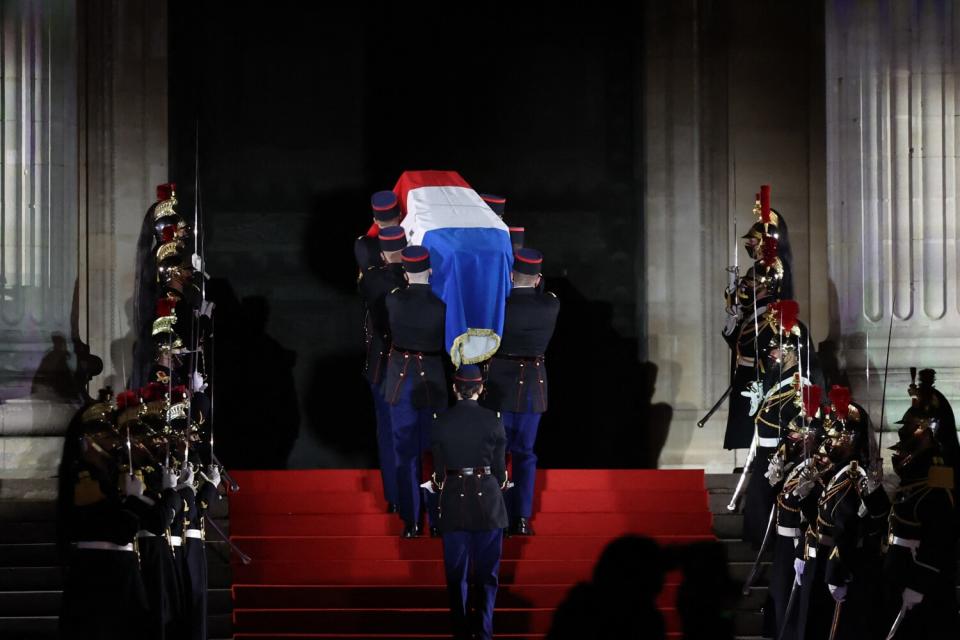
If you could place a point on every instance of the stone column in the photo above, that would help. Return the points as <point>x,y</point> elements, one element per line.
<point>732,95</point>
<point>124,136</point>
<point>38,232</point>
<point>85,141</point>
<point>892,103</point>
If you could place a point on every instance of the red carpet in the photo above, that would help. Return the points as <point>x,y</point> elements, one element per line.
<point>329,563</point>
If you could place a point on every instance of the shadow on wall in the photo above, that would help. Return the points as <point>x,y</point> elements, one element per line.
<point>601,412</point>
<point>256,416</point>
<point>63,374</point>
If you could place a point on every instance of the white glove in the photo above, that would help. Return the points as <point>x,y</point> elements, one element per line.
<point>798,566</point>
<point>911,598</point>
<point>839,592</point>
<point>206,308</point>
<point>212,475</point>
<point>132,485</point>
<point>186,476</point>
<point>807,481</point>
<point>196,262</point>
<point>733,319</point>
<point>755,393</point>
<point>775,469</point>
<point>168,478</point>
<point>197,384</point>
<point>428,485</point>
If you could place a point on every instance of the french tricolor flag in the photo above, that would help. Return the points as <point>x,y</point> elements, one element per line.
<point>470,254</point>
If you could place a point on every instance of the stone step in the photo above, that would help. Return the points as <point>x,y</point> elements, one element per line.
<point>18,532</point>
<point>47,603</point>
<point>44,554</point>
<point>45,627</point>
<point>728,525</point>
<point>51,578</point>
<point>721,482</point>
<point>44,510</point>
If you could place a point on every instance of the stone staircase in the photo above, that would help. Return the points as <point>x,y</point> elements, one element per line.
<point>31,582</point>
<point>728,527</point>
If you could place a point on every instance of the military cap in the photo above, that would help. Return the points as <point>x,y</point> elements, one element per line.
<point>528,261</point>
<point>385,205</point>
<point>416,259</point>
<point>392,238</point>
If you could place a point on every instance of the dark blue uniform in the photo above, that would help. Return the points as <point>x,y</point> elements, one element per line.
<point>415,387</point>
<point>517,385</point>
<point>375,283</point>
<point>468,455</point>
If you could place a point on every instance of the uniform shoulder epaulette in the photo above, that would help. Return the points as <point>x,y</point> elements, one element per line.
<point>360,237</point>
<point>395,289</point>
<point>940,477</point>
<point>498,414</point>
<point>551,293</point>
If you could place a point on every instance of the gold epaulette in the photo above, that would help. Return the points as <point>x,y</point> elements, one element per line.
<point>940,477</point>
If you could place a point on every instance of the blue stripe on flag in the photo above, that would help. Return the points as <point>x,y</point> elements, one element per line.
<point>471,274</point>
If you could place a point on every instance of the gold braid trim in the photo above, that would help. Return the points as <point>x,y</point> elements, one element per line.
<point>164,208</point>
<point>456,350</point>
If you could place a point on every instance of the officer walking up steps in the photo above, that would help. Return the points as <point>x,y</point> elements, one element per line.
<point>517,378</point>
<point>416,385</point>
<point>374,285</point>
<point>470,472</point>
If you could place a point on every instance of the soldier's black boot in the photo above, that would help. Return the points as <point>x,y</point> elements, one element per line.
<point>392,508</point>
<point>523,528</point>
<point>410,530</point>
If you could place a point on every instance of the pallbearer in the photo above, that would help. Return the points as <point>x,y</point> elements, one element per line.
<point>517,378</point>
<point>415,386</point>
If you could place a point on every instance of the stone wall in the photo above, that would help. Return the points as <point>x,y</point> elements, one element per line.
<point>733,100</point>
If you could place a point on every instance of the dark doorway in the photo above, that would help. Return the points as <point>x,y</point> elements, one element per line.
<point>304,109</point>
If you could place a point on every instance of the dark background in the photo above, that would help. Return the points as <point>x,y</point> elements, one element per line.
<point>304,109</point>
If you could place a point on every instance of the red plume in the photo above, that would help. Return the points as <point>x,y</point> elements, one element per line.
<point>166,190</point>
<point>126,399</point>
<point>811,399</point>
<point>788,311</point>
<point>765,203</point>
<point>168,233</point>
<point>180,391</point>
<point>840,399</point>
<point>153,391</point>
<point>165,307</point>
<point>769,251</point>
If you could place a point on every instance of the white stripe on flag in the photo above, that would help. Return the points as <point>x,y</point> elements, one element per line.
<point>431,208</point>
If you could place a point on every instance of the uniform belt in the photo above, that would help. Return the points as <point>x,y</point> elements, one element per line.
<point>826,540</point>
<point>176,541</point>
<point>811,552</point>
<point>914,546</point>
<point>789,532</point>
<point>513,356</point>
<point>768,443</point>
<point>104,546</point>
<point>194,533</point>
<point>470,471</point>
<point>744,361</point>
<point>414,352</point>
